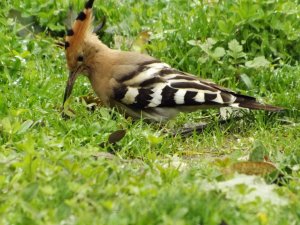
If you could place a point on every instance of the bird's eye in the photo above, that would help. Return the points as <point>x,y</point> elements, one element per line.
<point>80,58</point>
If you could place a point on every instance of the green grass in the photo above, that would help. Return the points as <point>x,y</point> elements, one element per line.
<point>54,171</point>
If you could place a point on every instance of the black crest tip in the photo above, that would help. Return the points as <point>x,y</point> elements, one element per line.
<point>81,16</point>
<point>89,4</point>
<point>70,32</point>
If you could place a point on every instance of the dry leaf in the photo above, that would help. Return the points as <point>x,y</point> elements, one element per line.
<point>113,138</point>
<point>104,155</point>
<point>190,153</point>
<point>253,168</point>
<point>91,99</point>
<point>116,136</point>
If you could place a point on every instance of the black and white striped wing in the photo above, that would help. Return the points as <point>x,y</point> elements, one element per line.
<point>156,84</point>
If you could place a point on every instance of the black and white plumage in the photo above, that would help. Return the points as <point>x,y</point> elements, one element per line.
<point>140,85</point>
<point>158,92</point>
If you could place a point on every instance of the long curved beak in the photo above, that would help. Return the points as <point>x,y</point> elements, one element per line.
<point>70,84</point>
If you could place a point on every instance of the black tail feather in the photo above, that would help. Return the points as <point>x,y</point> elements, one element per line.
<point>259,106</point>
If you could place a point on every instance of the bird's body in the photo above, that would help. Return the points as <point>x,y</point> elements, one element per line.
<point>140,85</point>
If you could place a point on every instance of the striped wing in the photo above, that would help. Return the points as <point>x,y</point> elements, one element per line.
<point>156,84</point>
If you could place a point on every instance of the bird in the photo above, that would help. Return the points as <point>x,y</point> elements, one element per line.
<point>139,85</point>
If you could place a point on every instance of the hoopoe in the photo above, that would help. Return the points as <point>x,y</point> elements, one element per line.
<point>138,84</point>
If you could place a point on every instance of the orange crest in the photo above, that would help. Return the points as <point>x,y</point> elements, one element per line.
<point>76,35</point>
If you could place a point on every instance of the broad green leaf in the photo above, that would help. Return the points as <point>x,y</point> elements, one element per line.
<point>203,59</point>
<point>208,45</point>
<point>247,80</point>
<point>219,52</point>
<point>234,46</point>
<point>258,62</point>
<point>259,152</point>
<point>25,126</point>
<point>6,125</point>
<point>236,50</point>
<point>194,42</point>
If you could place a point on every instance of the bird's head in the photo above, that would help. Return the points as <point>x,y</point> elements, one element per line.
<point>80,43</point>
